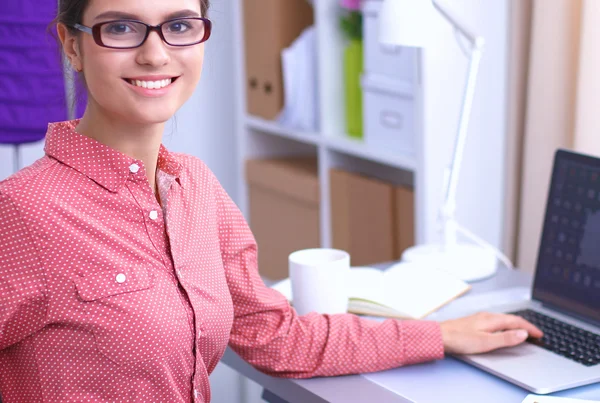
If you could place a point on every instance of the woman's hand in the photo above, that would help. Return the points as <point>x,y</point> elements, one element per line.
<point>483,332</point>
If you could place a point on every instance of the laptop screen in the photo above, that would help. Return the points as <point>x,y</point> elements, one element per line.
<point>568,267</point>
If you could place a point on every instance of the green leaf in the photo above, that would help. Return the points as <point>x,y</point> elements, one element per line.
<point>351,25</point>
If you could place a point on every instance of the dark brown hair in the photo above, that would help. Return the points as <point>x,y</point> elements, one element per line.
<point>70,12</point>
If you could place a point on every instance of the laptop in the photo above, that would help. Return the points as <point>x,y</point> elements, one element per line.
<point>565,295</point>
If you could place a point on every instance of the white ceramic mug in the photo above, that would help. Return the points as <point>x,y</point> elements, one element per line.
<point>319,278</point>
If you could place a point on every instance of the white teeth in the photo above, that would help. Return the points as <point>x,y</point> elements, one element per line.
<point>151,84</point>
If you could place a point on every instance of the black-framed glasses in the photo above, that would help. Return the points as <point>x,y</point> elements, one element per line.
<point>129,34</point>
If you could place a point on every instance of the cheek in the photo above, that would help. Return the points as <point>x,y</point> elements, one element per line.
<point>193,68</point>
<point>102,75</point>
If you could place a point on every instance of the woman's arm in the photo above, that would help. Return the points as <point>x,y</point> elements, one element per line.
<point>269,334</point>
<point>23,302</point>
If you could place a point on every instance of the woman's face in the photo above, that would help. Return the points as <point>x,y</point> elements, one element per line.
<point>115,77</point>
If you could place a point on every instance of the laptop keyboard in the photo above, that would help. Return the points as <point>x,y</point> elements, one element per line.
<point>561,338</point>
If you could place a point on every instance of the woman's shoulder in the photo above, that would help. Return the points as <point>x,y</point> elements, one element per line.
<point>195,171</point>
<point>23,180</point>
<point>24,189</point>
<point>188,160</point>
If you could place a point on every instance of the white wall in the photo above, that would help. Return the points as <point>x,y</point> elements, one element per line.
<point>205,125</point>
<point>481,183</point>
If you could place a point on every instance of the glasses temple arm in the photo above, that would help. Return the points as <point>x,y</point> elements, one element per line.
<point>83,28</point>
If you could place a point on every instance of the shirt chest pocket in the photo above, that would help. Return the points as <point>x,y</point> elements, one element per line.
<point>132,316</point>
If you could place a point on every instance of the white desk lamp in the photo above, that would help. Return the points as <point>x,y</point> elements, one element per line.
<point>406,23</point>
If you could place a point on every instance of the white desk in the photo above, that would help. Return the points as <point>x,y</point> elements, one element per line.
<point>447,380</point>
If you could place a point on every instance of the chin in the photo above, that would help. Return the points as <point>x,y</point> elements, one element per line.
<point>155,119</point>
<point>149,117</point>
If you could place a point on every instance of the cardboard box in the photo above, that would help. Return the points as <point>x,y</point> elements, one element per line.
<point>269,27</point>
<point>361,213</point>
<point>371,219</point>
<point>404,208</point>
<point>284,210</point>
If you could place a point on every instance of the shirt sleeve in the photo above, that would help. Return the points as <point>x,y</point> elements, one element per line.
<point>23,303</point>
<point>269,334</point>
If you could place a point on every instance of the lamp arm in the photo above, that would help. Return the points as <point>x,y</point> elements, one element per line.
<point>449,205</point>
<point>472,37</point>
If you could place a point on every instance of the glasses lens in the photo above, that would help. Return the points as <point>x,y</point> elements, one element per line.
<point>185,31</point>
<point>122,34</point>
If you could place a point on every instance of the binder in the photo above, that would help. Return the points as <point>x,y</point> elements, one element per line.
<point>269,27</point>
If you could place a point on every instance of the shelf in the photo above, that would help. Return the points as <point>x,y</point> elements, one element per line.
<point>274,128</point>
<point>358,148</point>
<point>346,145</point>
<point>434,116</point>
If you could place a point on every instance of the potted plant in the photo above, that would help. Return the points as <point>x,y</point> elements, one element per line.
<point>351,24</point>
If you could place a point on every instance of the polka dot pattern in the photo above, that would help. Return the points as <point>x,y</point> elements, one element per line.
<point>109,296</point>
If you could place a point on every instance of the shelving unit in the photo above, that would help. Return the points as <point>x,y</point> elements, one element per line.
<point>342,144</point>
<point>435,116</point>
<point>265,126</point>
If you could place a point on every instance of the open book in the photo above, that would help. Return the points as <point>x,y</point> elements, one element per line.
<point>403,291</point>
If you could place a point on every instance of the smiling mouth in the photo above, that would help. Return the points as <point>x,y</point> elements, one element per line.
<point>152,85</point>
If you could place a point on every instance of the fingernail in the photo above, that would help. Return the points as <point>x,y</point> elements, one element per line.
<point>522,334</point>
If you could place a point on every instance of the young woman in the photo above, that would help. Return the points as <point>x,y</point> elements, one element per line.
<point>126,270</point>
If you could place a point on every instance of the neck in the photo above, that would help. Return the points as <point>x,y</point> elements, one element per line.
<point>139,141</point>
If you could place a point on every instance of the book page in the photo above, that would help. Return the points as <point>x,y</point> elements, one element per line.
<point>366,283</point>
<point>418,290</point>
<point>412,291</point>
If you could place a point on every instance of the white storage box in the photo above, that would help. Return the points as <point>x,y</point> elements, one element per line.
<point>397,62</point>
<point>388,115</point>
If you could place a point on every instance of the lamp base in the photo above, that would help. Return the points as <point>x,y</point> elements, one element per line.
<point>465,261</point>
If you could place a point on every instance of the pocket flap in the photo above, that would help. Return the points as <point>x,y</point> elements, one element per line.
<point>113,282</point>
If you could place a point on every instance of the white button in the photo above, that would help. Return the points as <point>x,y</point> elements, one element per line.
<point>134,168</point>
<point>121,278</point>
<point>179,273</point>
<point>153,215</point>
<point>196,393</point>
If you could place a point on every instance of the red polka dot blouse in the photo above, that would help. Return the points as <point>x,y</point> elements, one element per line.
<point>107,296</point>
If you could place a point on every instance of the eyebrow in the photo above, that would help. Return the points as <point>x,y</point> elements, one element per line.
<point>122,15</point>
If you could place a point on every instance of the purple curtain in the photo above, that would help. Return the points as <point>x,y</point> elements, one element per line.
<point>32,87</point>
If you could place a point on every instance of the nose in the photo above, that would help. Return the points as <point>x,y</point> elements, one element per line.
<point>154,51</point>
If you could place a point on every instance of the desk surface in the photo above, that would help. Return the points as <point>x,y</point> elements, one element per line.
<point>429,382</point>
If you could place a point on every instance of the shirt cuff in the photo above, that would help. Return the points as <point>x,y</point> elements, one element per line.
<point>422,341</point>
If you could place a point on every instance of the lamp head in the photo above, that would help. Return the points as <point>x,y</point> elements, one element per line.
<point>406,22</point>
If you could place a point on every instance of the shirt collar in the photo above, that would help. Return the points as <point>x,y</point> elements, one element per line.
<point>102,164</point>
